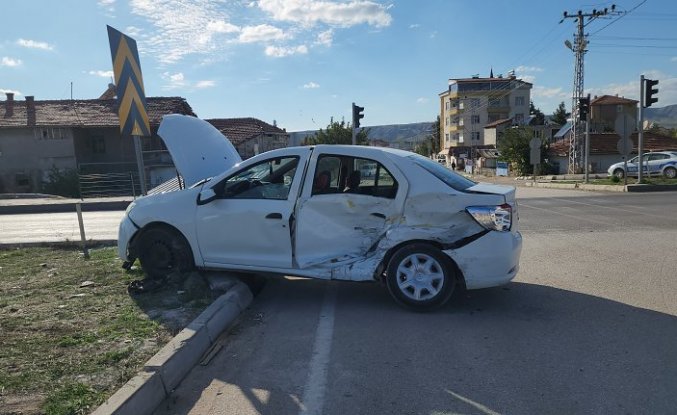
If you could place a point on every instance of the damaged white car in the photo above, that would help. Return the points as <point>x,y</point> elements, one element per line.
<point>312,212</point>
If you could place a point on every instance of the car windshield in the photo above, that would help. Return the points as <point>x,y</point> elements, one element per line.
<point>453,180</point>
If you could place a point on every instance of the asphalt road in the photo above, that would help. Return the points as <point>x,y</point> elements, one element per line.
<point>56,227</point>
<point>589,326</point>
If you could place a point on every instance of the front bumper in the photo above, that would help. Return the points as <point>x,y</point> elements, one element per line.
<point>490,261</point>
<point>126,232</point>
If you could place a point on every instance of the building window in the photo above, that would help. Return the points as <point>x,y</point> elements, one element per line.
<point>460,138</point>
<point>446,137</point>
<point>474,102</point>
<point>475,119</point>
<point>519,119</point>
<point>475,136</point>
<point>519,101</point>
<point>98,144</point>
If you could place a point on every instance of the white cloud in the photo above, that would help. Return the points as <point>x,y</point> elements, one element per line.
<point>10,91</point>
<point>549,93</point>
<point>181,28</point>
<point>261,33</point>
<point>522,68</point>
<point>667,88</point>
<point>414,26</point>
<point>325,38</point>
<point>133,31</point>
<point>107,5</point>
<point>281,51</point>
<point>32,44</point>
<point>673,59</point>
<point>205,84</point>
<point>11,62</point>
<point>221,26</point>
<point>422,100</point>
<point>345,14</point>
<point>528,78</point>
<point>311,85</point>
<point>103,74</point>
<point>174,80</point>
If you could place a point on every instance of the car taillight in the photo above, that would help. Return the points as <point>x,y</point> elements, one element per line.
<point>494,218</point>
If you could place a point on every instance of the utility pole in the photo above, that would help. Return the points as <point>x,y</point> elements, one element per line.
<point>579,47</point>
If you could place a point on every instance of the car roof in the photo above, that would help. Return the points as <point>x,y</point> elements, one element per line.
<point>365,149</point>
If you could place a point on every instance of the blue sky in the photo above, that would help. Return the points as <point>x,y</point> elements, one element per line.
<point>300,62</point>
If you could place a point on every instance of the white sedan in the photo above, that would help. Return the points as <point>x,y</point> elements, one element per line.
<point>414,225</point>
<point>659,163</point>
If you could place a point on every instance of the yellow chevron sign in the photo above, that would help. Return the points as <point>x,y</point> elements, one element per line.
<point>129,83</point>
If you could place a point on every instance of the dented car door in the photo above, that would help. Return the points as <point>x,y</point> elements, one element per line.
<point>343,219</point>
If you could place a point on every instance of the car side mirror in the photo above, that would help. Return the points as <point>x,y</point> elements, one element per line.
<point>206,196</point>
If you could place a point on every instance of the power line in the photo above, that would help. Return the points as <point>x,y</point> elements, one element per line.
<point>618,18</point>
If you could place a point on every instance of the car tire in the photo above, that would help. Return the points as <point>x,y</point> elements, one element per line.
<point>619,173</point>
<point>421,277</point>
<point>162,251</point>
<point>670,172</point>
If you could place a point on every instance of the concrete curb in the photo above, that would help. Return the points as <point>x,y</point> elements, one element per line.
<point>92,243</point>
<point>577,186</point>
<point>164,371</point>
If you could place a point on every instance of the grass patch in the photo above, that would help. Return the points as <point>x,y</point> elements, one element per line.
<point>67,347</point>
<point>613,181</point>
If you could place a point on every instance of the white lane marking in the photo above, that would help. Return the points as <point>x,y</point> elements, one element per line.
<point>569,216</point>
<point>470,402</point>
<point>605,206</point>
<point>316,385</point>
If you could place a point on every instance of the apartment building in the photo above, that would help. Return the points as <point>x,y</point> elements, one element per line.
<point>469,104</point>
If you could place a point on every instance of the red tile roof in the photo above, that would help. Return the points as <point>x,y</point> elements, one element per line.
<point>606,144</point>
<point>85,112</point>
<point>239,130</point>
<point>612,100</point>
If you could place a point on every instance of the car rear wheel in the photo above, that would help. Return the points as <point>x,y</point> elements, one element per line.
<point>619,173</point>
<point>670,172</point>
<point>162,251</point>
<point>421,277</point>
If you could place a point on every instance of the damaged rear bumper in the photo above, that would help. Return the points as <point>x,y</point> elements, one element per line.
<point>489,261</point>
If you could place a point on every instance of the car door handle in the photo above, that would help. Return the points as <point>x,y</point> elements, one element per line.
<point>274,216</point>
<point>378,215</point>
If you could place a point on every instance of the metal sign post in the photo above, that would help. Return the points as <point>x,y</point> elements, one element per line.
<point>640,133</point>
<point>131,95</point>
<point>624,126</point>
<point>535,154</point>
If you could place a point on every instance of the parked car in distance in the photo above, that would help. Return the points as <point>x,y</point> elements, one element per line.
<point>655,163</point>
<point>415,226</point>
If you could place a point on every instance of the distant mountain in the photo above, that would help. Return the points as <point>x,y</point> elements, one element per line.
<point>403,136</point>
<point>665,116</point>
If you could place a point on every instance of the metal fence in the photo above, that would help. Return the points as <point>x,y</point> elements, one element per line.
<point>109,184</point>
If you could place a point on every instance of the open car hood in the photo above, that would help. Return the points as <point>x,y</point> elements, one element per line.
<point>198,149</point>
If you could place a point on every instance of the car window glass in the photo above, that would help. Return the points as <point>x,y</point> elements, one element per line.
<point>452,179</point>
<point>369,177</point>
<point>270,179</point>
<point>327,175</point>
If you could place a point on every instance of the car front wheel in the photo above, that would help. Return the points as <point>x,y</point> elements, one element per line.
<point>619,173</point>
<point>162,251</point>
<point>670,172</point>
<point>421,277</point>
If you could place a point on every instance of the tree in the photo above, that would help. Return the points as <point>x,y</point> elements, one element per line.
<point>337,133</point>
<point>540,117</point>
<point>560,114</point>
<point>514,148</point>
<point>431,144</point>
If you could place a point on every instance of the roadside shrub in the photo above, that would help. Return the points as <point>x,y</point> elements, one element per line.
<point>62,182</point>
<point>615,179</point>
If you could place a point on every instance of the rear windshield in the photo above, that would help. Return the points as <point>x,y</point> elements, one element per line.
<point>453,180</point>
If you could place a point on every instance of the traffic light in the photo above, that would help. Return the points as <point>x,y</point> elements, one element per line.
<point>357,115</point>
<point>583,108</point>
<point>649,91</point>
